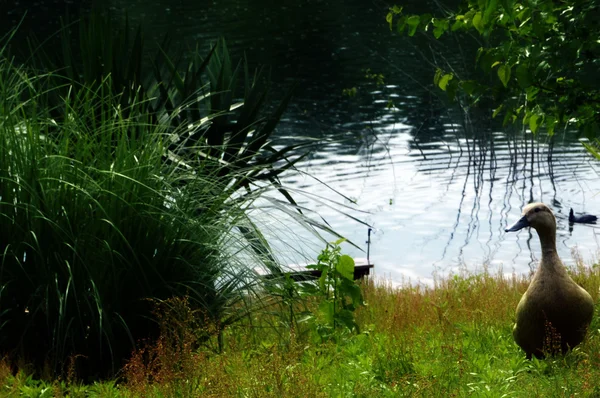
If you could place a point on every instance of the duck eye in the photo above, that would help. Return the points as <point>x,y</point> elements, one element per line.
<point>537,209</point>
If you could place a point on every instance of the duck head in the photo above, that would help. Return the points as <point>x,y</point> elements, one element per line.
<point>535,215</point>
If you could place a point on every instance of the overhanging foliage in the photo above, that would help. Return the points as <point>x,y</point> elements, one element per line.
<point>539,59</point>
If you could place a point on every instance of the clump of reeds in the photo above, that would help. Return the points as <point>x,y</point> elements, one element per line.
<point>113,193</point>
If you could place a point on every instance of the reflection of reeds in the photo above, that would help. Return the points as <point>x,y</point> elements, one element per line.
<point>481,156</point>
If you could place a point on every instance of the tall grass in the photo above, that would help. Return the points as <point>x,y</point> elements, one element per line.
<point>95,224</point>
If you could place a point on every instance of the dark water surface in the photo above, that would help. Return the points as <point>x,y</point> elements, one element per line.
<point>438,187</point>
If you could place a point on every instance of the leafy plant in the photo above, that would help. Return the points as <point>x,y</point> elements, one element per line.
<point>338,294</point>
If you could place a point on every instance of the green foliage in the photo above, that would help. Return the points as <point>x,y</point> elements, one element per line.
<point>350,92</point>
<point>338,294</point>
<point>125,183</point>
<point>538,60</point>
<point>326,305</point>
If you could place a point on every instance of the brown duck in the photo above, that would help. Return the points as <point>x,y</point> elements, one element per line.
<point>554,310</point>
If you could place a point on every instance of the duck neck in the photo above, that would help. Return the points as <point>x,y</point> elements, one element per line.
<point>548,241</point>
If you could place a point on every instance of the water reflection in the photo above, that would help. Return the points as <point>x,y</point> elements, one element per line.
<point>437,205</point>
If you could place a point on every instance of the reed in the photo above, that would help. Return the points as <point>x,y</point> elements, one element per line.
<point>100,217</point>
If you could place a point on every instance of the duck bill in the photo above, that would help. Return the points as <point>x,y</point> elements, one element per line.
<point>522,223</point>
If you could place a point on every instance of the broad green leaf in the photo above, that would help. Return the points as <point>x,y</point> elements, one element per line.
<point>523,15</point>
<point>458,24</point>
<point>533,122</point>
<point>451,88</point>
<point>345,267</point>
<point>443,83</point>
<point>550,124</point>
<point>356,295</point>
<point>504,74</point>
<point>490,8</point>
<point>593,149</point>
<point>323,280</point>
<point>542,67</point>
<point>508,8</point>
<point>478,22</point>
<point>425,20</point>
<point>550,19</point>
<point>326,309</point>
<point>346,318</point>
<point>523,75</point>
<point>531,92</point>
<point>469,86</point>
<point>438,31</point>
<point>509,117</point>
<point>413,23</point>
<point>390,19</point>
<point>401,25</point>
<point>487,59</point>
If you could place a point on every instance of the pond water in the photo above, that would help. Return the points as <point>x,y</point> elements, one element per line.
<point>438,187</point>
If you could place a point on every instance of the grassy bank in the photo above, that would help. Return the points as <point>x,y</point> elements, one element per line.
<point>451,340</point>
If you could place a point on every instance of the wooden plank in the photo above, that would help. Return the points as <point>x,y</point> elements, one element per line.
<point>298,272</point>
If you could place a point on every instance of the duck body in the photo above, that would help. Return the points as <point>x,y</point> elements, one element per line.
<point>583,219</point>
<point>555,312</point>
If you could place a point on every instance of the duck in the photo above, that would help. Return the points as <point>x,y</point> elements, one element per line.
<point>554,309</point>
<point>584,219</point>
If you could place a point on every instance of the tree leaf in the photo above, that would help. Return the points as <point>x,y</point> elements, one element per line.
<point>425,20</point>
<point>531,92</point>
<point>401,25</point>
<point>413,23</point>
<point>533,122</point>
<point>326,309</point>
<point>440,27</point>
<point>490,8</point>
<point>390,19</point>
<point>523,75</point>
<point>451,89</point>
<point>443,83</point>
<point>550,123</point>
<point>504,74</point>
<point>345,267</point>
<point>346,318</point>
<point>469,86</point>
<point>478,23</point>
<point>355,293</point>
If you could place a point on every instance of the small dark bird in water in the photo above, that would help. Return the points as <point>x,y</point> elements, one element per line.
<point>584,219</point>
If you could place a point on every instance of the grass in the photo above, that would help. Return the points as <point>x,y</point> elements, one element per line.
<point>454,339</point>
